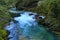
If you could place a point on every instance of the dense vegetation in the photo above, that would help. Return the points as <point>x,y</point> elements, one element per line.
<point>5,17</point>
<point>49,8</point>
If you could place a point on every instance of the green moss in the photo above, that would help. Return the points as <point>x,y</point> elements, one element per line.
<point>3,34</point>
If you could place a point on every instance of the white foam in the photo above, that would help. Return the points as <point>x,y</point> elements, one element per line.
<point>25,19</point>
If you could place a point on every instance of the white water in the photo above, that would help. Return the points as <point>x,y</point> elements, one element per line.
<point>12,28</point>
<point>25,19</point>
<point>30,28</point>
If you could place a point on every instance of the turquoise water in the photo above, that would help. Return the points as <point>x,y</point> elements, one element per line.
<point>27,28</point>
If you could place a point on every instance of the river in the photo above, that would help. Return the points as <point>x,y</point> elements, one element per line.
<point>27,28</point>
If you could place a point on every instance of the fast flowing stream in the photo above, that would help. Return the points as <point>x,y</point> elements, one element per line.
<point>27,28</point>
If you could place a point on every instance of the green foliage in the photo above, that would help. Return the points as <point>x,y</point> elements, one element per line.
<point>4,10</point>
<point>5,17</point>
<point>51,8</point>
<point>3,34</point>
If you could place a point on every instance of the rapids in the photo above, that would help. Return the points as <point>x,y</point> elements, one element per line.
<point>27,28</point>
